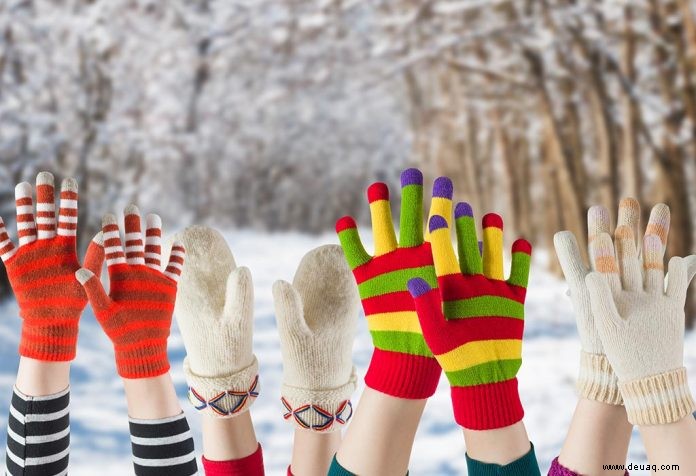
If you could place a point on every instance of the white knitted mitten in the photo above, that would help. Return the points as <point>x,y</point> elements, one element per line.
<point>317,317</point>
<point>214,310</point>
<point>641,325</point>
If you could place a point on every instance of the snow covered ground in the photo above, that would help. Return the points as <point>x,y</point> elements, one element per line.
<point>98,413</point>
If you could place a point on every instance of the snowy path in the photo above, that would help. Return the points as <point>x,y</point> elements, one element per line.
<point>99,423</point>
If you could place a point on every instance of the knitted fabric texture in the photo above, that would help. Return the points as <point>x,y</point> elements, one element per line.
<point>596,379</point>
<point>251,465</point>
<point>42,269</point>
<point>641,324</point>
<point>337,470</point>
<point>214,311</point>
<point>137,313</point>
<point>524,466</point>
<point>402,365</point>
<point>317,318</point>
<point>557,469</point>
<point>474,322</point>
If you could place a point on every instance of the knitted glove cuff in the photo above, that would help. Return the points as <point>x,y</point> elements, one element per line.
<point>597,381</point>
<point>413,377</point>
<point>139,360</point>
<point>49,343</point>
<point>658,399</point>
<point>319,410</point>
<point>226,396</point>
<point>487,406</point>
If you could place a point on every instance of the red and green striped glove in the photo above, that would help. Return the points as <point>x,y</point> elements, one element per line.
<point>474,322</point>
<point>401,365</point>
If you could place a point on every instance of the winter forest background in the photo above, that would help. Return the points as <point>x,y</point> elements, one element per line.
<point>275,116</point>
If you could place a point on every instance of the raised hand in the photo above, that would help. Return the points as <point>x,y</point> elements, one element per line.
<point>641,324</point>
<point>41,270</point>
<point>402,365</point>
<point>137,313</point>
<point>214,310</point>
<point>596,380</point>
<point>474,323</point>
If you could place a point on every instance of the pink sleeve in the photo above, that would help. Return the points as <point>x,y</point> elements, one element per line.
<point>558,470</point>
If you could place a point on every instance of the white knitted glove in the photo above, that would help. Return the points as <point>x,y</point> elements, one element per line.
<point>641,326</point>
<point>596,379</point>
<point>214,310</point>
<point>317,317</point>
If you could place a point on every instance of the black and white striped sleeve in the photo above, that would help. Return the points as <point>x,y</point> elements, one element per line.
<point>163,447</point>
<point>38,435</point>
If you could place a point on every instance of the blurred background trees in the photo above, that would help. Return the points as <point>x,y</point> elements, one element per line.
<point>277,115</point>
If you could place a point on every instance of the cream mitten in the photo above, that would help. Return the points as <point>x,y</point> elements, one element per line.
<point>317,316</point>
<point>597,380</point>
<point>641,325</point>
<point>214,310</point>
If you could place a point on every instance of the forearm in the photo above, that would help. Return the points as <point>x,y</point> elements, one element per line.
<point>671,444</point>
<point>38,378</point>
<point>151,398</point>
<point>228,438</point>
<point>380,438</point>
<point>312,452</point>
<point>599,434</point>
<point>500,446</point>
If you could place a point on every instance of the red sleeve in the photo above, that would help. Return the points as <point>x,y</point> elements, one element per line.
<point>251,465</point>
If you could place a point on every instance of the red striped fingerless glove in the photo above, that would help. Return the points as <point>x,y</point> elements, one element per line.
<point>402,364</point>
<point>137,313</point>
<point>475,321</point>
<point>42,269</point>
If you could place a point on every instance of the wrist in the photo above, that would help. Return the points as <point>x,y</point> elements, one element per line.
<point>41,378</point>
<point>151,398</point>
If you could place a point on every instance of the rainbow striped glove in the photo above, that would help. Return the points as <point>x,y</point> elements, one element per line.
<point>474,323</point>
<point>402,364</point>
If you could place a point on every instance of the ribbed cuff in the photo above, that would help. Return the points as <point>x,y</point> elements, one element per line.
<point>659,399</point>
<point>525,466</point>
<point>251,465</point>
<point>49,343</point>
<point>142,361</point>
<point>319,410</point>
<point>488,406</point>
<point>223,397</point>
<point>413,377</point>
<point>597,381</point>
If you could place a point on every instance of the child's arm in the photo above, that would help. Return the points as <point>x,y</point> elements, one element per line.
<point>317,316</point>
<point>136,315</point>
<point>41,272</point>
<point>403,372</point>
<point>214,310</point>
